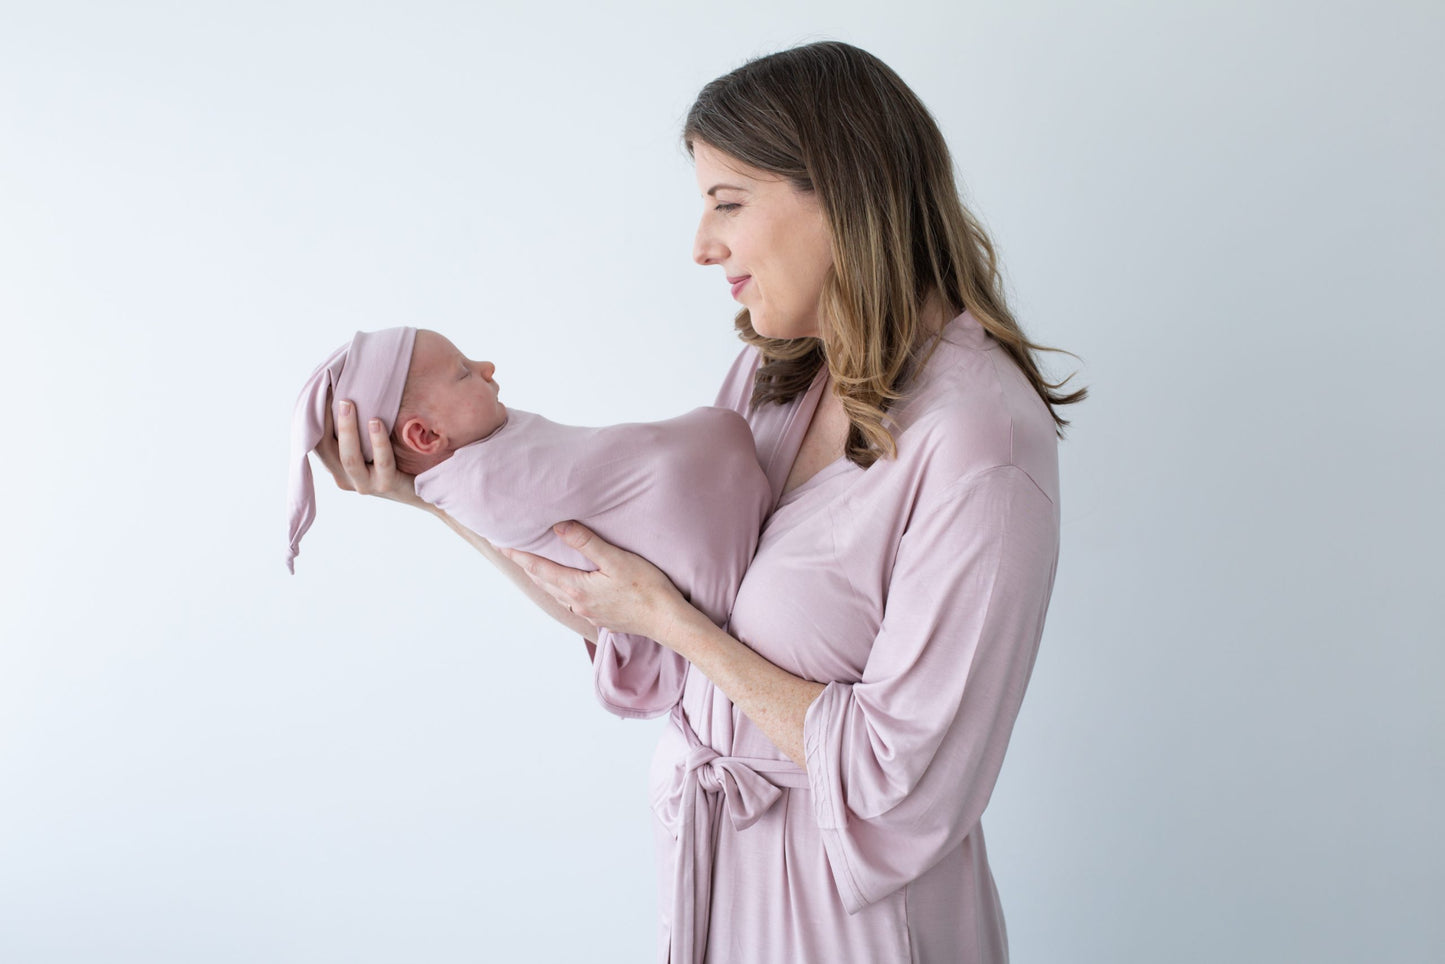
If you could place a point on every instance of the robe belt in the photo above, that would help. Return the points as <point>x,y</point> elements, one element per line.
<point>749,787</point>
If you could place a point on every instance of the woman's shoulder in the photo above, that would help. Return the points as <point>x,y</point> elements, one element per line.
<point>971,409</point>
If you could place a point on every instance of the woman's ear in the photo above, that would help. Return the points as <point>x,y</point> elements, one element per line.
<point>419,438</point>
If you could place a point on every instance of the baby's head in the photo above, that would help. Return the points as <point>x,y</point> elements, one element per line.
<point>448,401</point>
<point>433,399</point>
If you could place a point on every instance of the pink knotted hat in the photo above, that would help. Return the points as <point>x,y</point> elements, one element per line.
<point>371,372</point>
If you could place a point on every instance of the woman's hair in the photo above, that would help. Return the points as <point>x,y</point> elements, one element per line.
<point>836,121</point>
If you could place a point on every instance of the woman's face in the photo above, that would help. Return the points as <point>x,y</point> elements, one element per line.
<point>771,240</point>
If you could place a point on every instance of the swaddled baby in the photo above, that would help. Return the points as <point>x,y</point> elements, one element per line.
<point>687,494</point>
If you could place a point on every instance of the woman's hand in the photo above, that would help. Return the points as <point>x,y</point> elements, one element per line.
<point>342,458</point>
<point>627,594</point>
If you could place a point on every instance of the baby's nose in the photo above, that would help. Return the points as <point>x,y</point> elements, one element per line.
<point>488,370</point>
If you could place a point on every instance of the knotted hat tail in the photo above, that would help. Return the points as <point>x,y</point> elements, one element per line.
<point>371,372</point>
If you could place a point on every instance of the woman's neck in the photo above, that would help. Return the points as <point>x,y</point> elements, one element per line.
<point>935,312</point>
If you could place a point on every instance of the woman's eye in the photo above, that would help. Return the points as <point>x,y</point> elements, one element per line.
<point>726,207</point>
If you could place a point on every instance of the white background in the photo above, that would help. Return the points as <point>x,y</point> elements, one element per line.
<point>1232,745</point>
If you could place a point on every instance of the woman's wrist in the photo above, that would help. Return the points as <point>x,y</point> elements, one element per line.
<point>681,626</point>
<point>409,497</point>
<point>774,699</point>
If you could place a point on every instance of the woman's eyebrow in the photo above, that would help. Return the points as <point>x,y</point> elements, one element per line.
<point>712,191</point>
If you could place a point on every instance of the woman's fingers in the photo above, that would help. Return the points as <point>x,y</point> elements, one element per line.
<point>587,542</point>
<point>349,467</point>
<point>330,454</point>
<point>626,593</point>
<point>353,465</point>
<point>562,583</point>
<point>383,459</point>
<point>544,572</point>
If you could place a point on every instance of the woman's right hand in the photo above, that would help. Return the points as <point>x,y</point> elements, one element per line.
<point>342,457</point>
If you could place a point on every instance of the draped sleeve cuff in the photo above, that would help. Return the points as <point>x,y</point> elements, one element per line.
<point>634,677</point>
<point>822,744</point>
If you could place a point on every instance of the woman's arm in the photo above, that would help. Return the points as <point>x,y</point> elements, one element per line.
<point>627,594</point>
<point>342,457</point>
<point>519,578</point>
<point>902,761</point>
<point>774,699</point>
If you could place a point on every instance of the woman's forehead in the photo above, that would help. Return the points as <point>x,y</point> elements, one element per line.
<point>722,170</point>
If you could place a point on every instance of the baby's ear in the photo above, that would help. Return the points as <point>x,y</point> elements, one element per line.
<point>415,436</point>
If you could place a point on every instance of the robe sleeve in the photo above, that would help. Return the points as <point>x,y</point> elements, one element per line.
<point>902,762</point>
<point>634,677</point>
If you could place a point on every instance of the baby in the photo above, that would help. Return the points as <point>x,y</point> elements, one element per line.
<point>687,494</point>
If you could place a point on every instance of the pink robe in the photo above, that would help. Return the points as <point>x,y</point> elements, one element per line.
<point>686,493</point>
<point>916,590</point>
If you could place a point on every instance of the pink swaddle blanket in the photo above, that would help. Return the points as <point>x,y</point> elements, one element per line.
<point>687,493</point>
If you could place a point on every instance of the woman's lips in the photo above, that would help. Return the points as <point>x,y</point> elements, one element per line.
<point>738,283</point>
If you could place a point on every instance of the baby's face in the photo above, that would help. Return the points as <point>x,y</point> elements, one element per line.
<point>458,395</point>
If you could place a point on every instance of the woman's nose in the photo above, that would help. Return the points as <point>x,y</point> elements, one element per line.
<point>706,249</point>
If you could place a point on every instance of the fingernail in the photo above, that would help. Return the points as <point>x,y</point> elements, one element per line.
<point>345,408</point>
<point>375,424</point>
<point>562,528</point>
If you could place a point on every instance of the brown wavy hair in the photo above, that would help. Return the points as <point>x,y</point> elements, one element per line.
<point>835,120</point>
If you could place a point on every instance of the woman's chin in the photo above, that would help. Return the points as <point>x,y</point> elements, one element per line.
<point>785,330</point>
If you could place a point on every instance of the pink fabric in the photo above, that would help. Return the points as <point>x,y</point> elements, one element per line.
<point>370,371</point>
<point>916,590</point>
<point>660,489</point>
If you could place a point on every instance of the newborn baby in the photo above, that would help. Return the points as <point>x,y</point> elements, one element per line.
<point>687,494</point>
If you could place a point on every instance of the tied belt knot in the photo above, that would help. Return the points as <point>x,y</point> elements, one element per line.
<point>745,793</point>
<point>748,788</point>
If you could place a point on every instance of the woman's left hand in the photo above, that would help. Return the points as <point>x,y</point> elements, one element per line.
<point>627,594</point>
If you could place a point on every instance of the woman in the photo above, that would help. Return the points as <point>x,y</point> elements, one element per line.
<point>829,755</point>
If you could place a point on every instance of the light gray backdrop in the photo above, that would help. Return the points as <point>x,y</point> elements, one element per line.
<point>1231,749</point>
